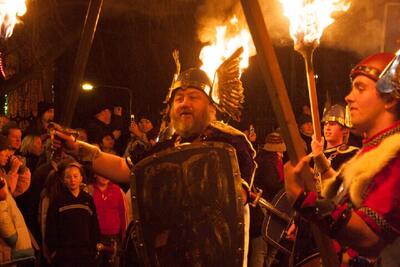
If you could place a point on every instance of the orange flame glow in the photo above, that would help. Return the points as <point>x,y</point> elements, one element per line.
<point>309,18</point>
<point>9,11</point>
<point>228,38</point>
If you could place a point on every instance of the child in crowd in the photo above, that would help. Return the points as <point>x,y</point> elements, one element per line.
<point>111,211</point>
<point>72,229</point>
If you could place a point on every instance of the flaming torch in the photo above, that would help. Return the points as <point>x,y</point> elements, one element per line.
<point>10,10</point>
<point>228,39</point>
<point>308,19</point>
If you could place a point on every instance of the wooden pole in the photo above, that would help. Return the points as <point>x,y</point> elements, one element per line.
<point>280,102</point>
<point>307,51</point>
<point>89,29</point>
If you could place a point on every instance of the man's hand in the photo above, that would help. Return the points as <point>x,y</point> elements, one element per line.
<point>291,232</point>
<point>294,177</point>
<point>15,163</point>
<point>65,142</point>
<point>134,129</point>
<point>317,147</point>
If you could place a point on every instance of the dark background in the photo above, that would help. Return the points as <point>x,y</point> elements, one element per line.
<point>134,41</point>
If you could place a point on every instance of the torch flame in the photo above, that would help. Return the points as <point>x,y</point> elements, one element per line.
<point>309,18</point>
<point>9,11</point>
<point>228,39</point>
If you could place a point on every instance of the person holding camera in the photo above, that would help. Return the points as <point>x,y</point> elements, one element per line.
<point>143,136</point>
<point>15,243</point>
<point>18,176</point>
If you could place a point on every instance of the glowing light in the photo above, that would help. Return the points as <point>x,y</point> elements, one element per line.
<point>309,18</point>
<point>87,87</point>
<point>10,10</point>
<point>228,39</point>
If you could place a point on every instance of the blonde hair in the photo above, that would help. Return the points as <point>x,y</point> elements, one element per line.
<point>27,144</point>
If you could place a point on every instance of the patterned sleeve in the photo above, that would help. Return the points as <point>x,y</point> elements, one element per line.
<point>381,206</point>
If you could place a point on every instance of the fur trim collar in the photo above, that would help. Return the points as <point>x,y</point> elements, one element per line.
<point>359,172</point>
<point>226,128</point>
<point>223,127</point>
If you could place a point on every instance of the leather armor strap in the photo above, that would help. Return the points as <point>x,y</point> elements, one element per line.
<point>87,152</point>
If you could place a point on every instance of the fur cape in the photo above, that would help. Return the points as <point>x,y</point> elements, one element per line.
<point>223,127</point>
<point>359,172</point>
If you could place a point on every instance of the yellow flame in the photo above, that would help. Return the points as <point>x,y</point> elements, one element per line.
<point>309,18</point>
<point>9,11</point>
<point>228,38</point>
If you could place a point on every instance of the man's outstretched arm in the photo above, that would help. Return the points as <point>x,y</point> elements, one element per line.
<point>113,167</point>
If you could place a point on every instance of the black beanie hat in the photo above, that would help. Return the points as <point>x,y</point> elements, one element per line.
<point>99,108</point>
<point>44,106</point>
<point>303,119</point>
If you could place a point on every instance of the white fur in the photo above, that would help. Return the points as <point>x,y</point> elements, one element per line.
<point>359,172</point>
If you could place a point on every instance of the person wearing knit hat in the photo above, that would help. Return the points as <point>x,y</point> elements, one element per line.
<point>306,130</point>
<point>100,124</point>
<point>46,110</point>
<point>45,115</point>
<point>100,108</point>
<point>274,143</point>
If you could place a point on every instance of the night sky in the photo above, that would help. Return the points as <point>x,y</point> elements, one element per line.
<point>134,41</point>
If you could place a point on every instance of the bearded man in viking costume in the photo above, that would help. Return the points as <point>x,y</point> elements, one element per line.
<point>359,206</point>
<point>209,228</point>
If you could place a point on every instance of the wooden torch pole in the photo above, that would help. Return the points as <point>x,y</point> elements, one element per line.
<point>282,108</point>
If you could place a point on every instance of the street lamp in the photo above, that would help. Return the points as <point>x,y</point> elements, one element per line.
<point>86,86</point>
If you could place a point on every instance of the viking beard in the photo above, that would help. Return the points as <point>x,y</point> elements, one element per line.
<point>191,125</point>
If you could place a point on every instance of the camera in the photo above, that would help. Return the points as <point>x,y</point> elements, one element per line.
<point>22,168</point>
<point>132,117</point>
<point>22,159</point>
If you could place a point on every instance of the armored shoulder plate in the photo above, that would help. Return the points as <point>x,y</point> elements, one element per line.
<point>343,149</point>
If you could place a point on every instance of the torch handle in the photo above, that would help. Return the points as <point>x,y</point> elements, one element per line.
<point>283,110</point>
<point>312,92</point>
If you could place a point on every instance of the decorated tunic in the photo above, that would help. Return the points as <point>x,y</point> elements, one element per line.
<point>371,180</point>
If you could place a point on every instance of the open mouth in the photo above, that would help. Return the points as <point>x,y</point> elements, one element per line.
<point>185,114</point>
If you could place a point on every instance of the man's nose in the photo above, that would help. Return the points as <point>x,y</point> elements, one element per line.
<point>349,97</point>
<point>185,101</point>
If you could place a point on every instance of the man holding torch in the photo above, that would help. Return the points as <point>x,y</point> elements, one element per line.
<point>192,115</point>
<point>359,207</point>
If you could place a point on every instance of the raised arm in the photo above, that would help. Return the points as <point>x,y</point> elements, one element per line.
<point>113,167</point>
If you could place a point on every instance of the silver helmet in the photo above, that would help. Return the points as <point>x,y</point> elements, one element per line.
<point>339,114</point>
